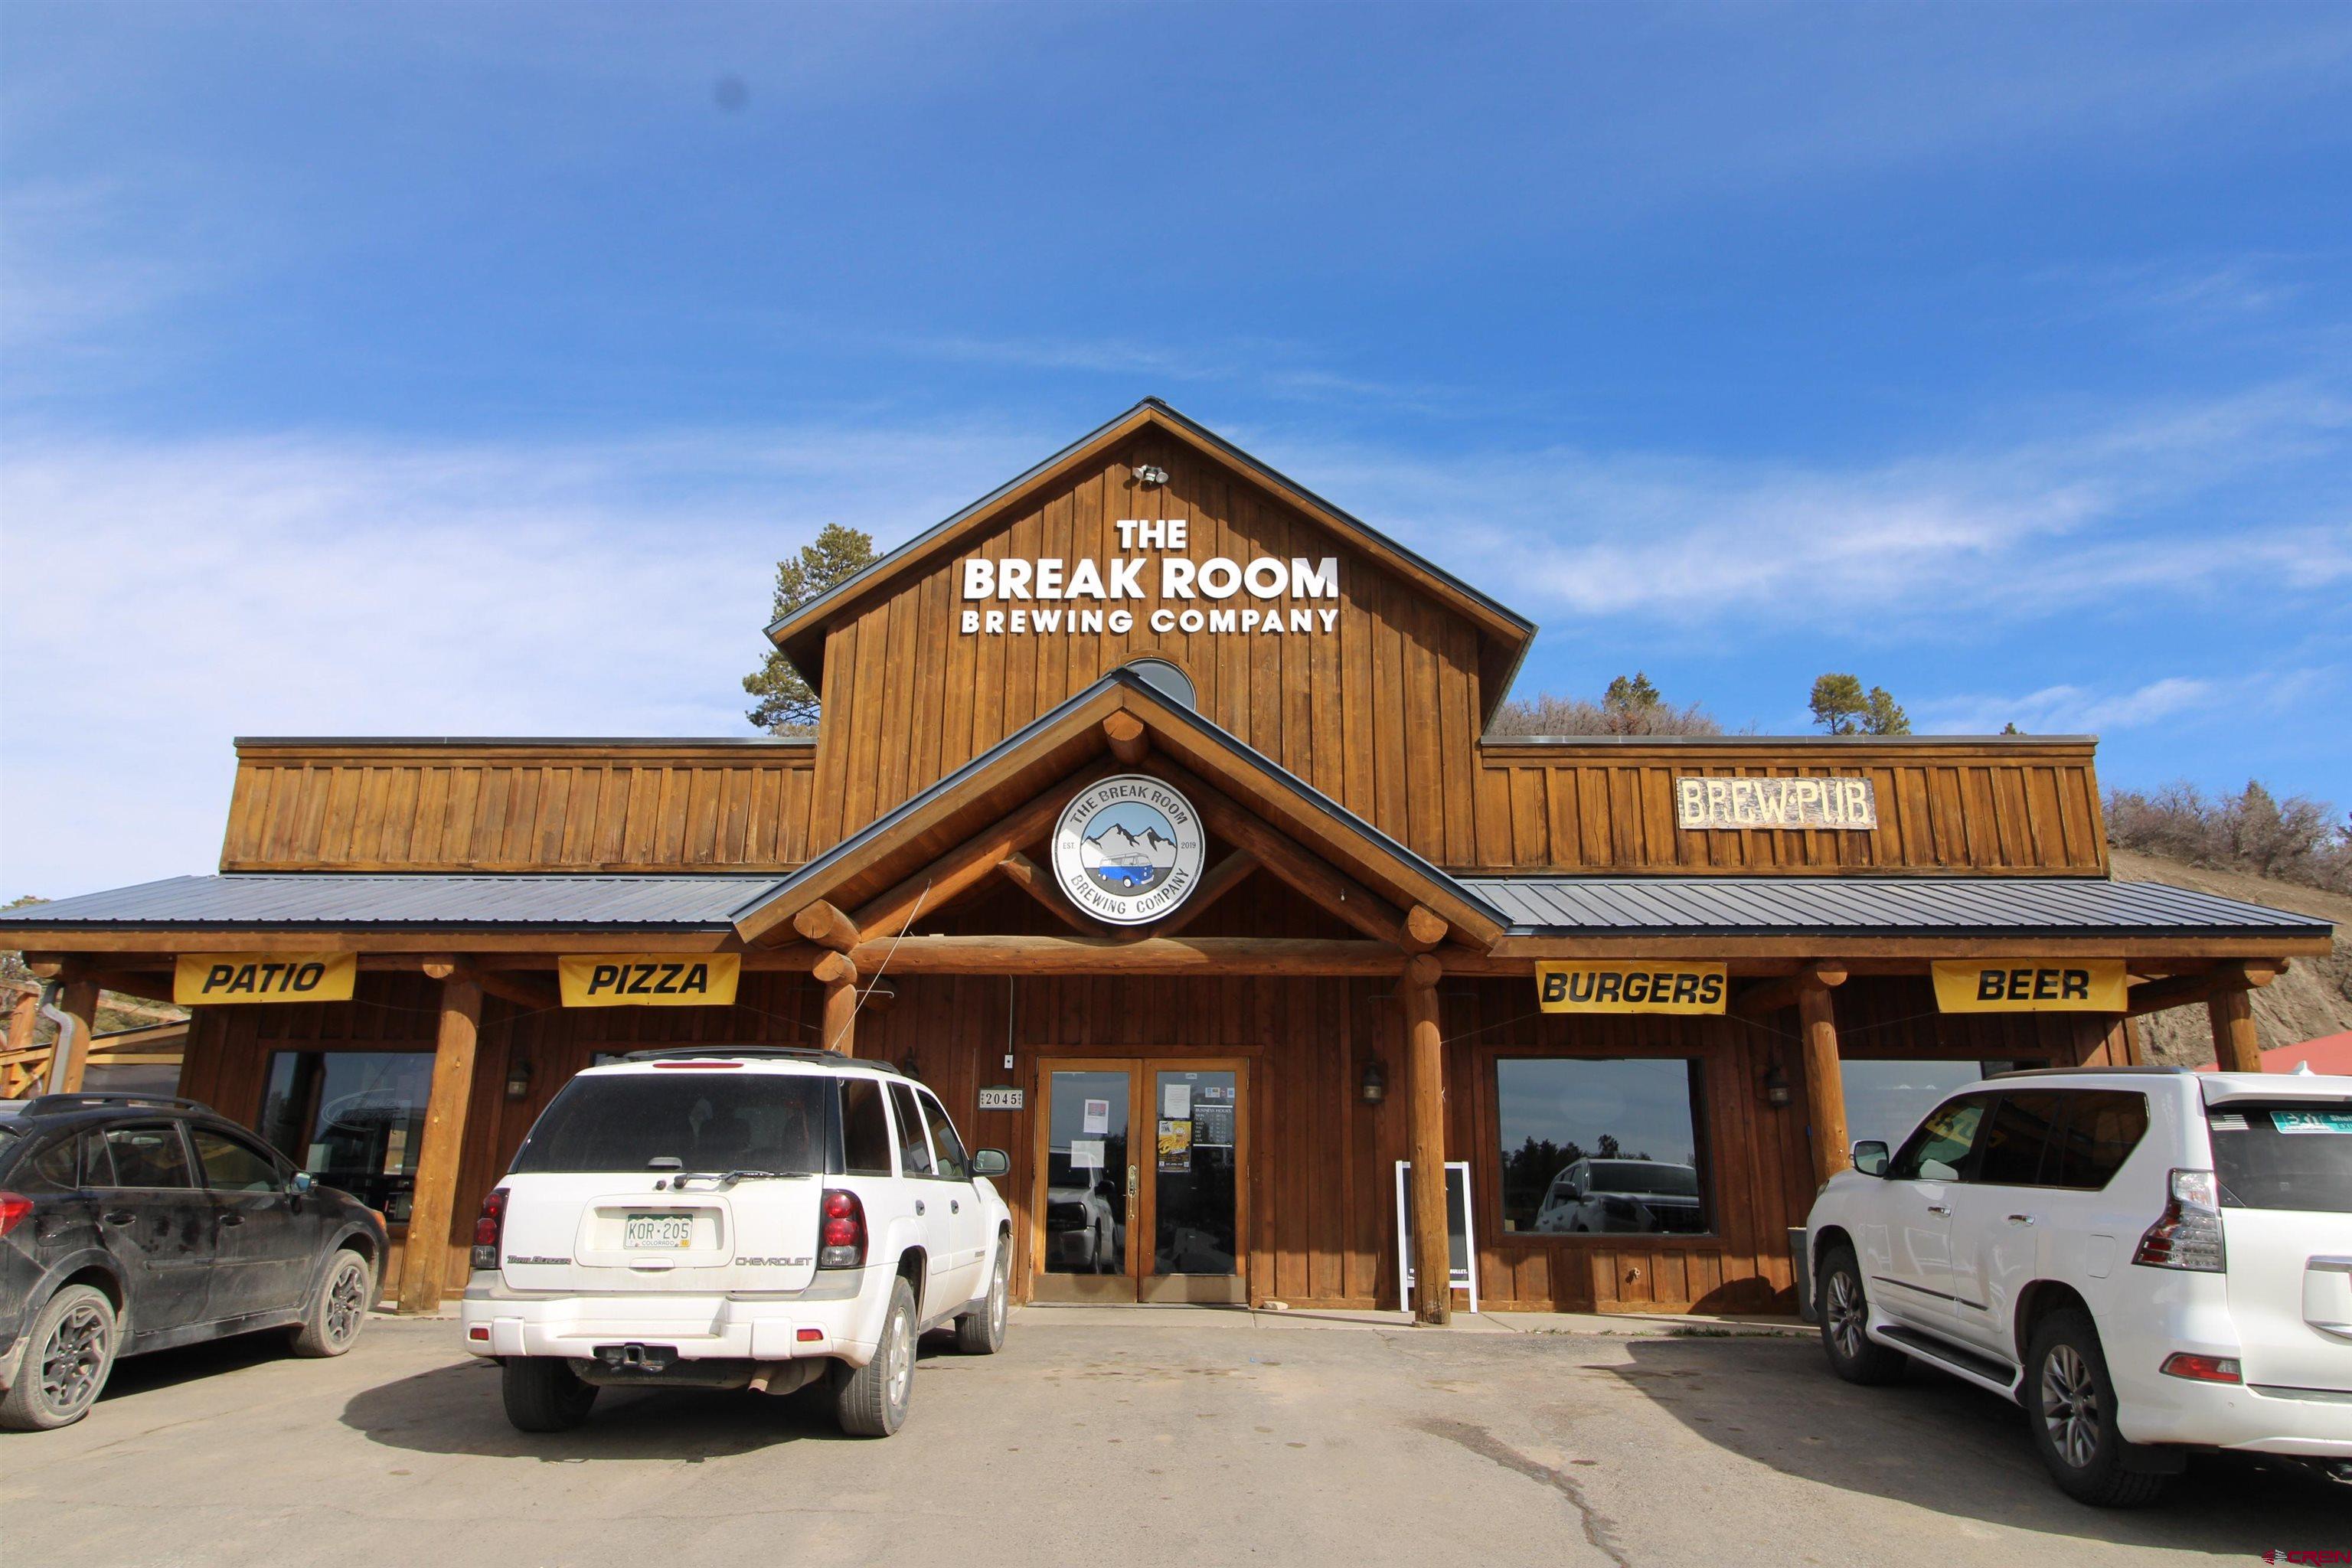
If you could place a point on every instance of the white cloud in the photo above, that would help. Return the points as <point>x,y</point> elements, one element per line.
<point>162,599</point>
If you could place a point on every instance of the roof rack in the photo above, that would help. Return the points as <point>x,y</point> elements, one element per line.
<point>2078,1071</point>
<point>95,1099</point>
<point>780,1053</point>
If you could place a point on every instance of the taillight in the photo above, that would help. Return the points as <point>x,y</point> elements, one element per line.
<point>2188,1235</point>
<point>14,1207</point>
<point>841,1230</point>
<point>489,1229</point>
<point>2201,1368</point>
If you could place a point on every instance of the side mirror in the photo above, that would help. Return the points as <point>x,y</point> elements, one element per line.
<point>301,1183</point>
<point>989,1163</point>
<point>1870,1157</point>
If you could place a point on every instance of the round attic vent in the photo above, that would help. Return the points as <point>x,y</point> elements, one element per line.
<point>1165,678</point>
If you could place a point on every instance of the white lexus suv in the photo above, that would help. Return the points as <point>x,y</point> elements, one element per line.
<point>2149,1260</point>
<point>754,1217</point>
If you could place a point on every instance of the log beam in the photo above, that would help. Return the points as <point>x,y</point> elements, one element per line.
<point>1424,929</point>
<point>965,865</point>
<point>1206,955</point>
<point>826,926</point>
<point>424,1256</point>
<point>1215,883</point>
<point>2237,1046</point>
<point>2179,990</point>
<point>1770,996</point>
<point>506,985</point>
<point>1129,741</point>
<point>1825,1088</point>
<point>1433,1267</point>
<point>1308,873</point>
<point>1035,880</point>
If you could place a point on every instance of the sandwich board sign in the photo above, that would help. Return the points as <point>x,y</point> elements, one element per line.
<point>1461,1246</point>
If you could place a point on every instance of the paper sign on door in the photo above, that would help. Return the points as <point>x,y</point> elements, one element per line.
<point>1097,1118</point>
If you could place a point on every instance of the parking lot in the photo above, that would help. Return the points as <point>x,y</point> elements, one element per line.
<point>1142,1436</point>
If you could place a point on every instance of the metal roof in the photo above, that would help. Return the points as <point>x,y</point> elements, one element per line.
<point>1875,906</point>
<point>341,898</point>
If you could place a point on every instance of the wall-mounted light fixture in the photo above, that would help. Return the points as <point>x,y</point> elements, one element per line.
<point>1776,1087</point>
<point>1152,474</point>
<point>1374,1088</point>
<point>518,1079</point>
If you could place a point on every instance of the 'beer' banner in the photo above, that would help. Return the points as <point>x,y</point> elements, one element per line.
<point>2031,986</point>
<point>614,980</point>
<point>1629,988</point>
<point>200,979</point>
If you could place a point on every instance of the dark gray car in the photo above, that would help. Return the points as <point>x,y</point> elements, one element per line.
<point>135,1223</point>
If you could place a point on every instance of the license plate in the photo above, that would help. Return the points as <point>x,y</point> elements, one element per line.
<point>657,1232</point>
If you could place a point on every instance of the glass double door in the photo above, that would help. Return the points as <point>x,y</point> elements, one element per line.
<point>1143,1171</point>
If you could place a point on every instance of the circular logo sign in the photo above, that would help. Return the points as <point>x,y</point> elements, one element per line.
<point>1127,850</point>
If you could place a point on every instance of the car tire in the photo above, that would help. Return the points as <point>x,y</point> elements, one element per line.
<point>338,1309</point>
<point>543,1393</point>
<point>2070,1400</point>
<point>981,1331</point>
<point>871,1401</point>
<point>1845,1313</point>
<point>68,1355</point>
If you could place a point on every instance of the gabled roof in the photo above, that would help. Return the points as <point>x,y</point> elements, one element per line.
<point>1875,906</point>
<point>1504,634</point>
<point>1060,742</point>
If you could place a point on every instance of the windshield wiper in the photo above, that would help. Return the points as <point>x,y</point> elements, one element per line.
<point>728,1178</point>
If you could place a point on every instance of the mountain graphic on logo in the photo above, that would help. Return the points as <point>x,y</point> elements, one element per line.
<point>1126,861</point>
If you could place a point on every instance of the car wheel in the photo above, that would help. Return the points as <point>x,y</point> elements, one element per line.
<point>543,1393</point>
<point>1845,1313</point>
<point>338,1309</point>
<point>981,1332</point>
<point>68,1353</point>
<point>2072,1403</point>
<point>871,1401</point>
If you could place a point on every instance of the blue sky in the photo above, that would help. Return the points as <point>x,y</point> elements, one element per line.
<point>447,370</point>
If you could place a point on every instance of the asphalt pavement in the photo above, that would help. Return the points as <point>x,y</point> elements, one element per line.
<point>1149,1437</point>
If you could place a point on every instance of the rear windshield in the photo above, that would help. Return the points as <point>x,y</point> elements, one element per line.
<point>2284,1156</point>
<point>1652,1177</point>
<point>706,1121</point>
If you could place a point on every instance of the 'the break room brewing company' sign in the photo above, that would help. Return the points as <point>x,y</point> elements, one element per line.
<point>198,978</point>
<point>1127,850</point>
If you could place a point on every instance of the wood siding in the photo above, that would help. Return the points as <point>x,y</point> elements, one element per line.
<point>1322,1182</point>
<point>468,807</point>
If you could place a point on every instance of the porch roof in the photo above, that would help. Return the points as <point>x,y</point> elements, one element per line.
<point>319,899</point>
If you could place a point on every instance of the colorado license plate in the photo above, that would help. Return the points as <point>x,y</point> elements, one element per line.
<point>657,1232</point>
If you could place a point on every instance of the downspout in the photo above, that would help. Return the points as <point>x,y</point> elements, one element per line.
<point>61,1052</point>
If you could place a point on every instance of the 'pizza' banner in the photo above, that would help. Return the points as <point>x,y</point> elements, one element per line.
<point>1629,988</point>
<point>201,979</point>
<point>615,979</point>
<point>2031,986</point>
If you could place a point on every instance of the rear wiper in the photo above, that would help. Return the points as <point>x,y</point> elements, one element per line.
<point>731,1178</point>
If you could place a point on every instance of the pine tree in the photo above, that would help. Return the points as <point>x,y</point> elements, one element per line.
<point>786,705</point>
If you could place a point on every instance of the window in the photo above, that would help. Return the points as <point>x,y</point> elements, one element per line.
<point>233,1165</point>
<point>2096,1136</point>
<point>2292,1155</point>
<point>150,1156</point>
<point>53,1167</point>
<point>1601,1145</point>
<point>352,1118</point>
<point>865,1129</point>
<point>1885,1100</point>
<point>1940,1148</point>
<point>708,1122</point>
<point>944,1139</point>
<point>2009,1155</point>
<point>914,1158</point>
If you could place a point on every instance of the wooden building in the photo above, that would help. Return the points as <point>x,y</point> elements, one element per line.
<point>1644,988</point>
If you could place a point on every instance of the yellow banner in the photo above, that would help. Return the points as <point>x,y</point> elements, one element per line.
<point>1628,986</point>
<point>616,980</point>
<point>200,979</point>
<point>2031,986</point>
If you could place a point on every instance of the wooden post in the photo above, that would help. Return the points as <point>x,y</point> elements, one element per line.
<point>425,1259</point>
<point>22,1016</point>
<point>1432,1266</point>
<point>839,975</point>
<point>2236,1047</point>
<point>1824,1088</point>
<point>77,999</point>
<point>1129,743</point>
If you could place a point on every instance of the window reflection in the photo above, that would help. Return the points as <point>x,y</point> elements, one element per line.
<point>352,1118</point>
<point>1600,1146</point>
<point>1885,1100</point>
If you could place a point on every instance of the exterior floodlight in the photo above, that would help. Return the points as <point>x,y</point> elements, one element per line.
<point>1152,474</point>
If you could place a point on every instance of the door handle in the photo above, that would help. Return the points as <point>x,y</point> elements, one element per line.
<point>955,1205</point>
<point>232,1219</point>
<point>1939,1208</point>
<point>2020,1219</point>
<point>120,1216</point>
<point>919,1205</point>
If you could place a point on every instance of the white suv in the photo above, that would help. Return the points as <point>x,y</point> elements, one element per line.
<point>736,1218</point>
<point>2149,1260</point>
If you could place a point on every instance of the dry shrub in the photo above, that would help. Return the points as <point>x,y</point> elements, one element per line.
<point>2293,841</point>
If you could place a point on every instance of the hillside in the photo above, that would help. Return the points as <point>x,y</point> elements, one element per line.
<point>2312,997</point>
